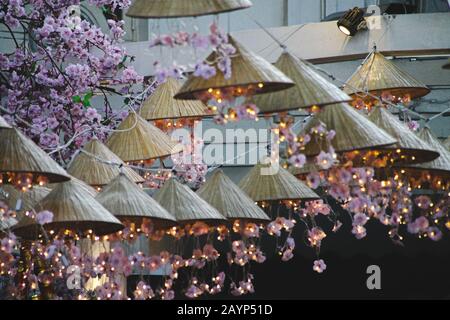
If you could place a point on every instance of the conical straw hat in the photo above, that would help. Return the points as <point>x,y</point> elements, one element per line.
<point>186,205</point>
<point>311,89</point>
<point>183,8</point>
<point>73,208</point>
<point>440,165</point>
<point>353,131</point>
<point>414,149</point>
<point>307,168</point>
<point>378,74</point>
<point>161,104</point>
<point>128,201</point>
<point>89,169</point>
<point>233,203</point>
<point>248,70</point>
<point>141,140</point>
<point>92,191</point>
<point>264,184</point>
<point>4,124</point>
<point>18,154</point>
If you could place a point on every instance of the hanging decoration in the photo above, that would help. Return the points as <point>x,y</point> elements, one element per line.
<point>233,203</point>
<point>383,79</point>
<point>311,89</point>
<point>409,148</point>
<point>96,165</point>
<point>155,9</point>
<point>137,210</point>
<point>68,210</point>
<point>241,75</point>
<point>138,141</point>
<point>23,163</point>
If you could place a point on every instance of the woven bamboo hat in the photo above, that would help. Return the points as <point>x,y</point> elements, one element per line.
<point>88,168</point>
<point>127,201</point>
<point>183,8</point>
<point>4,124</point>
<point>73,208</point>
<point>186,205</point>
<point>161,104</point>
<point>18,154</point>
<point>409,145</point>
<point>440,165</point>
<point>264,184</point>
<point>249,71</point>
<point>92,191</point>
<point>233,203</point>
<point>136,140</point>
<point>353,131</point>
<point>311,89</point>
<point>377,74</point>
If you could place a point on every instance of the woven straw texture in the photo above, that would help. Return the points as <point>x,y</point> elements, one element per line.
<point>378,74</point>
<point>21,155</point>
<point>353,131</point>
<point>128,201</point>
<point>440,165</point>
<point>94,172</point>
<point>310,88</point>
<point>247,69</point>
<point>74,208</point>
<point>4,124</point>
<point>183,8</point>
<point>233,203</point>
<point>409,143</point>
<point>186,205</point>
<point>92,191</point>
<point>261,184</point>
<point>161,104</point>
<point>144,141</point>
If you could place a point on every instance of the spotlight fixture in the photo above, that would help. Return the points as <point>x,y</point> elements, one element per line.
<point>352,21</point>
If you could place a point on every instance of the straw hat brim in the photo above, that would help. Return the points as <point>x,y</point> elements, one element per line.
<point>183,8</point>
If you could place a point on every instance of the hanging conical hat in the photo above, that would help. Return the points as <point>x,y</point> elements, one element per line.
<point>307,168</point>
<point>378,75</point>
<point>183,8</point>
<point>161,104</point>
<point>18,154</point>
<point>440,165</point>
<point>414,149</point>
<point>264,184</point>
<point>233,203</point>
<point>92,191</point>
<point>311,89</point>
<point>4,124</point>
<point>141,140</point>
<point>128,201</point>
<point>248,70</point>
<point>88,167</point>
<point>73,208</point>
<point>186,205</point>
<point>353,131</point>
